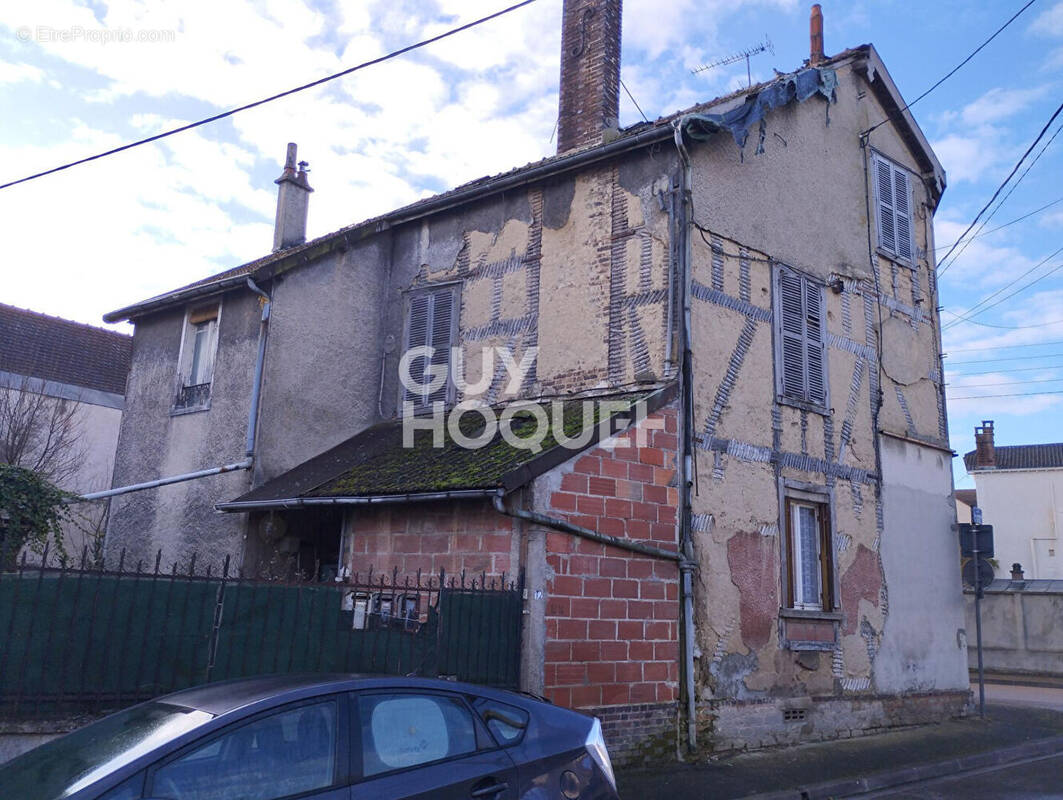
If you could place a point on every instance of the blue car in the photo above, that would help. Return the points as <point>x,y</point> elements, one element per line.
<point>324,737</point>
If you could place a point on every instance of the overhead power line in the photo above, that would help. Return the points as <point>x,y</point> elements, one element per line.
<point>271,98</point>
<point>1004,383</point>
<point>982,310</point>
<point>1002,185</point>
<point>1000,347</point>
<point>1008,358</point>
<point>1006,327</point>
<point>1045,368</point>
<point>974,311</point>
<point>987,396</point>
<point>1006,224</point>
<point>955,69</point>
<point>1004,199</point>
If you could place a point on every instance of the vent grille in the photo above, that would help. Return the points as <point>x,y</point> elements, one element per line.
<point>794,714</point>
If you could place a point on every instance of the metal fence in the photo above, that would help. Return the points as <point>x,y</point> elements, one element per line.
<point>89,637</point>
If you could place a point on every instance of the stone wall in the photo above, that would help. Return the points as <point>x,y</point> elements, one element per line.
<point>1021,633</point>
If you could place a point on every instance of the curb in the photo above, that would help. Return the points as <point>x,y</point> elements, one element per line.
<point>922,772</point>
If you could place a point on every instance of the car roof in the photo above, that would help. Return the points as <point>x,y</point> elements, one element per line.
<point>225,696</point>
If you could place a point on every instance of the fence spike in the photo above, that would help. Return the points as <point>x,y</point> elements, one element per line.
<point>121,560</point>
<point>225,568</point>
<point>192,566</point>
<point>158,560</point>
<point>84,555</point>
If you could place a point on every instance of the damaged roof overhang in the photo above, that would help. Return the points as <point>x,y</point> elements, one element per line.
<point>497,468</point>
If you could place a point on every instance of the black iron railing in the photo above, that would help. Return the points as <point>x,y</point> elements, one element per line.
<point>193,396</point>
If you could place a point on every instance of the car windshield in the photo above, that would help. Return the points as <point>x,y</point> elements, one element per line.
<point>62,766</point>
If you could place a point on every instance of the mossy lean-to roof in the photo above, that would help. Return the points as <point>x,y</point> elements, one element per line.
<point>376,462</point>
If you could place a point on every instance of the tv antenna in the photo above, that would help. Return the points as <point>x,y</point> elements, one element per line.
<point>765,46</point>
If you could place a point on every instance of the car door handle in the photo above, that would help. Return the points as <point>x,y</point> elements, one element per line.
<point>492,789</point>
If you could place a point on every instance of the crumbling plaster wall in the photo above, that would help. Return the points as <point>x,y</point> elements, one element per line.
<point>749,444</point>
<point>180,519</point>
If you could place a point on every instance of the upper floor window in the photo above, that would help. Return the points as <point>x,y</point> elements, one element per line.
<point>800,339</point>
<point>810,584</point>
<point>431,322</point>
<point>198,347</point>
<point>893,204</point>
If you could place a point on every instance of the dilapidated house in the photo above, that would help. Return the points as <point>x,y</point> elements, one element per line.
<point>753,545</point>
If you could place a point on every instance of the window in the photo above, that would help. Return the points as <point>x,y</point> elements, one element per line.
<point>893,204</point>
<point>507,723</point>
<point>430,322</point>
<point>800,332</point>
<point>407,730</point>
<point>809,552</point>
<point>280,755</point>
<point>196,370</point>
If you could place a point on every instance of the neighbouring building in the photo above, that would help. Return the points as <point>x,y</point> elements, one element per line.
<point>966,499</point>
<point>753,546</point>
<point>63,386</point>
<point>1020,492</point>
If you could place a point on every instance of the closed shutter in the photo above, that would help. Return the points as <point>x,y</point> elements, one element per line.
<point>442,312</point>
<point>802,339</point>
<point>430,325</point>
<point>893,192</point>
<point>887,235</point>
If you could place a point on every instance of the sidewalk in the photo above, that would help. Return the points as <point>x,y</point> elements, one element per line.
<point>833,769</point>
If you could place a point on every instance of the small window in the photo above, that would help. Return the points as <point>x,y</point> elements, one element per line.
<point>505,722</point>
<point>800,332</point>
<point>893,202</point>
<point>406,730</point>
<point>810,556</point>
<point>430,322</point>
<point>277,756</point>
<point>197,358</point>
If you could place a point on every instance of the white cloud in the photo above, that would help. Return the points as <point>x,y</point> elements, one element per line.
<point>19,73</point>
<point>1050,22</point>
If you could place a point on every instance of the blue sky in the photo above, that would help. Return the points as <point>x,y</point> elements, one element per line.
<point>78,77</point>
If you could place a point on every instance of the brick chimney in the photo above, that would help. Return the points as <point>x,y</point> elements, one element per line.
<point>590,73</point>
<point>292,203</point>
<point>984,451</point>
<point>815,32</point>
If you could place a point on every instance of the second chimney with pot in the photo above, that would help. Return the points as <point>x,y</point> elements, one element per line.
<point>590,73</point>
<point>985,454</point>
<point>293,200</point>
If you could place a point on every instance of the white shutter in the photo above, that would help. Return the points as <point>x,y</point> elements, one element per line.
<point>814,344</point>
<point>887,235</point>
<point>417,336</point>
<point>902,207</point>
<point>442,314</point>
<point>792,335</point>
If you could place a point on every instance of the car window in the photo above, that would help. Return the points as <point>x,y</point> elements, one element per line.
<point>126,790</point>
<point>405,730</point>
<point>283,754</point>
<point>507,723</point>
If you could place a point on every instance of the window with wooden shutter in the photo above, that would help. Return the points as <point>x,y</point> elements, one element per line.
<point>893,204</point>
<point>809,551</point>
<point>430,324</point>
<point>801,355</point>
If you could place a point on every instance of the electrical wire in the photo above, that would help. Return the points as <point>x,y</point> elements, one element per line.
<point>1008,358</point>
<point>1036,280</point>
<point>1016,369</point>
<point>1006,327</point>
<point>633,100</point>
<point>1002,185</point>
<point>987,396</point>
<point>955,69</point>
<point>1004,199</point>
<point>1003,383</point>
<point>973,312</point>
<point>1006,224</point>
<point>271,98</point>
<point>1002,347</point>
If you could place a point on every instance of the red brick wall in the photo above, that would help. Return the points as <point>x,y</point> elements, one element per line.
<point>612,616</point>
<point>451,535</point>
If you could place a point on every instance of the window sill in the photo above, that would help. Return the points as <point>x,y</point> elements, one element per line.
<point>803,405</point>
<point>810,613</point>
<point>896,259</point>
<point>180,412</point>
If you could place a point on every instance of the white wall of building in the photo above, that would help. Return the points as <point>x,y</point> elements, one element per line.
<point>1025,508</point>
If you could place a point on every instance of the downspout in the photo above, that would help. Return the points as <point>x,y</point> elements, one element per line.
<point>252,424</point>
<point>685,462</point>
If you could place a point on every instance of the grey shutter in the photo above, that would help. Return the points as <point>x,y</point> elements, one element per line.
<point>902,207</point>
<point>814,343</point>
<point>417,336</point>
<point>792,335</point>
<point>442,318</point>
<point>887,235</point>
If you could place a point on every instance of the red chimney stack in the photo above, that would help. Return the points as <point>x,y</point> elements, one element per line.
<point>815,30</point>
<point>985,454</point>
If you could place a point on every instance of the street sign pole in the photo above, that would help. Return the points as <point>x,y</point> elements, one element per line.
<point>978,627</point>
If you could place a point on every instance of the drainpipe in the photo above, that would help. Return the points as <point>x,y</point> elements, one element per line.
<point>252,424</point>
<point>685,465</point>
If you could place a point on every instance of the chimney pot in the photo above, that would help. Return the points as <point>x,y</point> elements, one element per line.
<point>984,448</point>
<point>816,36</point>
<point>293,198</point>
<point>589,104</point>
